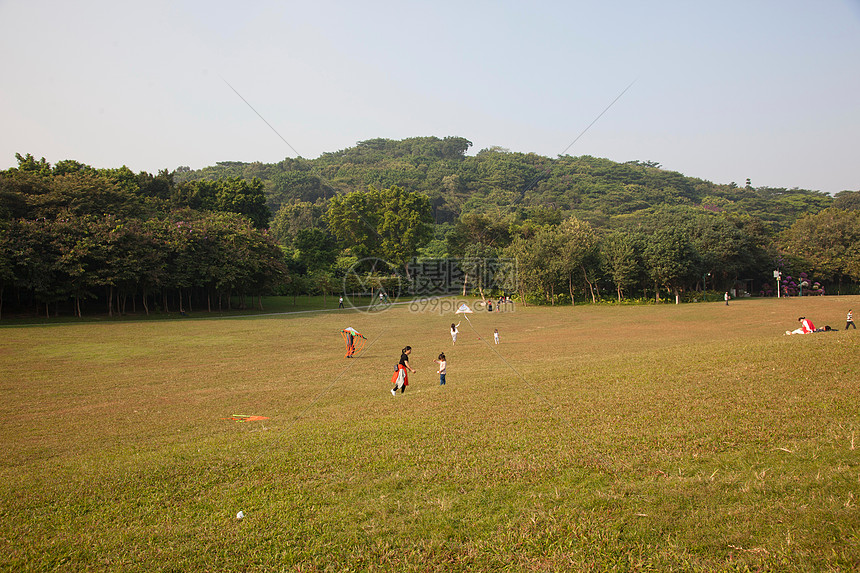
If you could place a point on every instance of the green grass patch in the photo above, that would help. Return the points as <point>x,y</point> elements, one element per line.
<point>594,438</point>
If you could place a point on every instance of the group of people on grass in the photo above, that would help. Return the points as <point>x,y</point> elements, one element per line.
<point>807,327</point>
<point>400,378</point>
<point>503,300</point>
<point>455,332</point>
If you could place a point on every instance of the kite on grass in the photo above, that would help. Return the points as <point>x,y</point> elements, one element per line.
<point>245,418</point>
<point>354,340</point>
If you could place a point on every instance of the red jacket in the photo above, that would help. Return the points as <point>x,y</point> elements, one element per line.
<point>397,373</point>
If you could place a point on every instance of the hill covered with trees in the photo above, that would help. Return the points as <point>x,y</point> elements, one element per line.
<point>572,228</point>
<point>504,204</point>
<point>592,189</point>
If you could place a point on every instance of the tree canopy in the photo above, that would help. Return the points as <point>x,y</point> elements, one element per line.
<point>574,226</point>
<point>72,233</point>
<point>386,224</point>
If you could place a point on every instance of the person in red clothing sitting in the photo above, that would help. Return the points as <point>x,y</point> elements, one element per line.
<point>806,327</point>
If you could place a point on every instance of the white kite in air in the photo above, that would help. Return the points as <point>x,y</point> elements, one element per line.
<point>464,310</point>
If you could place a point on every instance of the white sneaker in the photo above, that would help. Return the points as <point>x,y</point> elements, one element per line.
<point>393,392</point>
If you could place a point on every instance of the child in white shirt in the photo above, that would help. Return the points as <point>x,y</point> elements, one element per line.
<point>443,364</point>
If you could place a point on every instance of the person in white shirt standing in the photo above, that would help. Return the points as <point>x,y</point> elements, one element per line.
<point>443,366</point>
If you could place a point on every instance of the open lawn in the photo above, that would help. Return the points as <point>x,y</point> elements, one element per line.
<point>690,438</point>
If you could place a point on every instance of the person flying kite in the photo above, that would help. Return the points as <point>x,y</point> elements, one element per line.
<point>354,341</point>
<point>454,332</point>
<point>465,311</point>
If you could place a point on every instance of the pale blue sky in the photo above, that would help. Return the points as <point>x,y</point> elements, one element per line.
<point>768,90</point>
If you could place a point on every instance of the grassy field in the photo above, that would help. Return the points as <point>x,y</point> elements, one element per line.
<point>669,438</point>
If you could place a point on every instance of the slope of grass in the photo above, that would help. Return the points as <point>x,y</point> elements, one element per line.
<point>695,437</point>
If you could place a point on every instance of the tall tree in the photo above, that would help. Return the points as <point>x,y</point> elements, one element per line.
<point>671,260</point>
<point>246,198</point>
<point>577,243</point>
<point>540,263</point>
<point>387,224</point>
<point>316,249</point>
<point>483,228</point>
<point>354,221</point>
<point>620,260</point>
<point>294,217</point>
<point>233,195</point>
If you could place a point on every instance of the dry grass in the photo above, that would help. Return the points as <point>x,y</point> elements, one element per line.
<point>695,437</point>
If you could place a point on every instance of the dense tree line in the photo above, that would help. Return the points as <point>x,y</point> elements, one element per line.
<point>679,251</point>
<point>723,233</point>
<point>651,231</point>
<point>578,228</point>
<point>827,243</point>
<point>70,233</point>
<point>670,234</point>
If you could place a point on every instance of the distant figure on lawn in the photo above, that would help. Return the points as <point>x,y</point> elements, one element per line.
<point>454,333</point>
<point>496,335</point>
<point>400,379</point>
<point>849,322</point>
<point>726,296</point>
<point>806,327</point>
<point>340,303</point>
